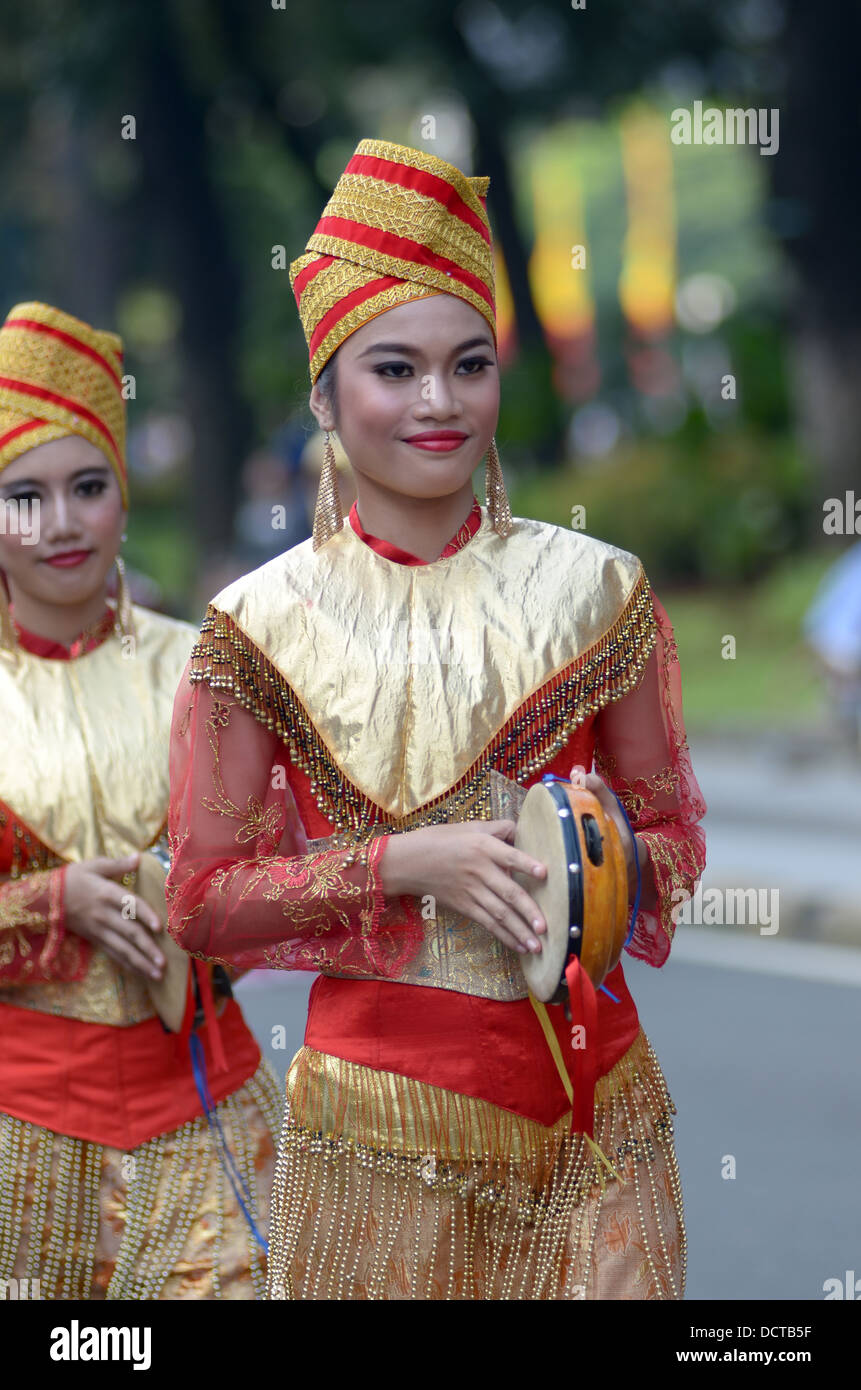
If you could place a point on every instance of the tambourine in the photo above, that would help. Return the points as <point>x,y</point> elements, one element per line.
<point>584,898</point>
<point>168,994</point>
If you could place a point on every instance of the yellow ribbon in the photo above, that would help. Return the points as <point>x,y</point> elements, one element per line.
<point>556,1051</point>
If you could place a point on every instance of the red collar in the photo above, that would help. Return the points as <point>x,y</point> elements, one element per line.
<point>462,536</point>
<point>86,641</point>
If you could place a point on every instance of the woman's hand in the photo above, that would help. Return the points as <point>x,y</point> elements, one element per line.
<point>468,868</point>
<point>93,905</point>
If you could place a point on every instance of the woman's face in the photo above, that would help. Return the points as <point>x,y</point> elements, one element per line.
<point>79,522</point>
<point>417,397</point>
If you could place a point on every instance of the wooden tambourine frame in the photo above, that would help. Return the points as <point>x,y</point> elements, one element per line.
<point>584,898</point>
<point>170,993</point>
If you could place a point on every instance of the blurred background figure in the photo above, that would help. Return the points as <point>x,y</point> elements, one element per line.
<point>272,514</point>
<point>833,629</point>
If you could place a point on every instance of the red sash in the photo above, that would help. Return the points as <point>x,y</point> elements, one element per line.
<point>114,1086</point>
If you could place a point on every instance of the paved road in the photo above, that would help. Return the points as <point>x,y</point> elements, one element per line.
<point>761,1055</point>
<point>785,820</point>
<point>764,1066</point>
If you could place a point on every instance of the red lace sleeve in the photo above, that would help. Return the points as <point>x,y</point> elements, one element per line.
<point>642,752</point>
<point>243,888</point>
<point>34,945</point>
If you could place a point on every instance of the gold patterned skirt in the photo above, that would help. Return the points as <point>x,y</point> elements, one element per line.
<point>388,1188</point>
<point>82,1220</point>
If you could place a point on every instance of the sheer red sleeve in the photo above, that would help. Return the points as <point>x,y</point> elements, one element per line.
<point>34,945</point>
<point>243,888</point>
<point>642,753</point>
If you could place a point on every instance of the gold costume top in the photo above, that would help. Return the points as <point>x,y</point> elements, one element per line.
<point>86,775</point>
<point>341,695</point>
<point>407,682</point>
<point>433,709</point>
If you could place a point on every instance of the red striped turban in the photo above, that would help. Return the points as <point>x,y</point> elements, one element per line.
<point>400,225</point>
<point>59,376</point>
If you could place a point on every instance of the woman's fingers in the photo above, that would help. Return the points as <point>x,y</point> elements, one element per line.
<point>487,912</point>
<point>502,829</point>
<point>514,860</point>
<point>132,950</point>
<point>136,911</point>
<point>511,906</point>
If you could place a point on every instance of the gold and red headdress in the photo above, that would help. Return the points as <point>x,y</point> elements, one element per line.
<point>59,376</point>
<point>400,225</point>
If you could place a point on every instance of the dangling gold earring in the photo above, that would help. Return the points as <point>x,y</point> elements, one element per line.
<point>328,516</point>
<point>8,639</point>
<point>494,490</point>
<point>124,622</point>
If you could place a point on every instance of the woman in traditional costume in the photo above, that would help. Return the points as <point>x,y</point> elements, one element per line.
<point>361,716</point>
<point>111,1183</point>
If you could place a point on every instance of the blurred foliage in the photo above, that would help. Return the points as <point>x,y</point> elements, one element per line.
<point>697,506</point>
<point>774,681</point>
<point>720,499</point>
<point>245,116</point>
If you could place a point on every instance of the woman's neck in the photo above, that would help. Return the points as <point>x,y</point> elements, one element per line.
<point>421,525</point>
<point>57,622</point>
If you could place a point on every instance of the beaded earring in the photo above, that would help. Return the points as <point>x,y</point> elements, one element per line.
<point>124,623</point>
<point>494,490</point>
<point>328,516</point>
<point>8,639</point>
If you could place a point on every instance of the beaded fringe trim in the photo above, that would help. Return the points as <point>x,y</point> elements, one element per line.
<point>50,1238</point>
<point>364,1147</point>
<point>227,660</point>
<point>29,855</point>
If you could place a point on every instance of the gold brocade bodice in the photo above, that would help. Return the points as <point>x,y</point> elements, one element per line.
<point>425,694</point>
<point>87,772</point>
<point>455,952</point>
<point>410,673</point>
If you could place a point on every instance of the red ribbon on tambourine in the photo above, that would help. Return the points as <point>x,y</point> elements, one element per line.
<point>584,901</point>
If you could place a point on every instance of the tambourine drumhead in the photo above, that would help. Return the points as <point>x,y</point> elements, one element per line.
<point>600,873</point>
<point>169,993</point>
<point>539,833</point>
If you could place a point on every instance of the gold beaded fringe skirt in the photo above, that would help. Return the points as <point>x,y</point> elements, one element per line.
<point>387,1188</point>
<point>82,1220</point>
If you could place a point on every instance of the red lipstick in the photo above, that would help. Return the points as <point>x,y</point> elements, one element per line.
<point>438,441</point>
<point>69,558</point>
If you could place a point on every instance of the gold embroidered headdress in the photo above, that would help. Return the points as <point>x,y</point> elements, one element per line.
<point>400,225</point>
<point>59,376</point>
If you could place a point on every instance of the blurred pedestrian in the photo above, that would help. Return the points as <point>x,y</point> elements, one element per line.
<point>832,627</point>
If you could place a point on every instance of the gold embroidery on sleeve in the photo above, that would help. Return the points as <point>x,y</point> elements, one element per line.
<point>18,916</point>
<point>255,821</point>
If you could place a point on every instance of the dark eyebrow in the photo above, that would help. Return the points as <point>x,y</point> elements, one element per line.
<point>414,352</point>
<point>101,468</point>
